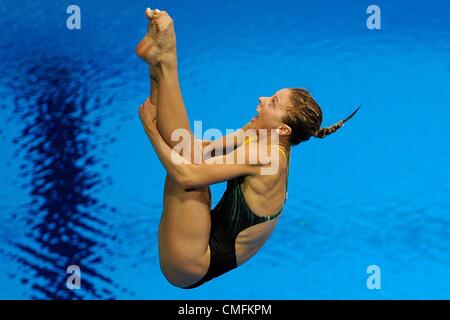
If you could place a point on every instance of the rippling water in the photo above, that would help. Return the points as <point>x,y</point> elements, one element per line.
<point>80,184</point>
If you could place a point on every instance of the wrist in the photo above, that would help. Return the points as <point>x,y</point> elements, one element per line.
<point>151,136</point>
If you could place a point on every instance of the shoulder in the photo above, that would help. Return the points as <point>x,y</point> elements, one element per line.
<point>272,160</point>
<point>270,178</point>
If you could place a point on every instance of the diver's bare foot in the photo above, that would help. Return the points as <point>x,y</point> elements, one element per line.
<point>165,38</point>
<point>159,44</point>
<point>146,50</point>
<point>147,47</point>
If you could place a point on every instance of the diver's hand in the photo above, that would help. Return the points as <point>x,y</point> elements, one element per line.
<point>147,114</point>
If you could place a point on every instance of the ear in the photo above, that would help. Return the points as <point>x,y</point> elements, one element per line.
<point>284,130</point>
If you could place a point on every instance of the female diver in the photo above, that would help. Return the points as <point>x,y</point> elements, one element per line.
<point>196,243</point>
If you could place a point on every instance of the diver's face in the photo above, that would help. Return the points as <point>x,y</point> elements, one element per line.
<point>271,110</point>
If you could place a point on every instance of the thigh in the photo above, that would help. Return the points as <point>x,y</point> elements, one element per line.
<point>183,236</point>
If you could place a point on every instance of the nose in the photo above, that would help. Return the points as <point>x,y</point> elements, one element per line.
<point>261,100</point>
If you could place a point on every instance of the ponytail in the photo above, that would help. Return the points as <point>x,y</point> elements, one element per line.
<point>323,132</point>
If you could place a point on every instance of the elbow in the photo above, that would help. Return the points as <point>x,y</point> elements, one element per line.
<point>186,179</point>
<point>188,184</point>
<point>191,181</point>
<point>185,182</point>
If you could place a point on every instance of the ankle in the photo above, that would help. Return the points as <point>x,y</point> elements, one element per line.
<point>166,65</point>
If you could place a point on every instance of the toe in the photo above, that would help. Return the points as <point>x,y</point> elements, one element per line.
<point>150,13</point>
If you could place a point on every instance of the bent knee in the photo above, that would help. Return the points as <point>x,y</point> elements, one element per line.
<point>183,273</point>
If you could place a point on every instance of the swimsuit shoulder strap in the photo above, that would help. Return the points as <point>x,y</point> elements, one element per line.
<point>281,150</point>
<point>248,139</point>
<point>275,215</point>
<point>268,218</point>
<point>287,160</point>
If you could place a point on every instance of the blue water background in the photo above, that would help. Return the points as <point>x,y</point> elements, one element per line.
<point>80,183</point>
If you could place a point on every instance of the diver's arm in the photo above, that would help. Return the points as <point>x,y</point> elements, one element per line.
<point>220,168</point>
<point>232,140</point>
<point>174,163</point>
<point>225,144</point>
<point>215,170</point>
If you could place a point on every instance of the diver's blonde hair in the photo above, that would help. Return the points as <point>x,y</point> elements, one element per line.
<point>304,116</point>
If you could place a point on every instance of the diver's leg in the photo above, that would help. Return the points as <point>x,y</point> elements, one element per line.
<point>153,86</point>
<point>172,114</point>
<point>183,234</point>
<point>151,34</point>
<point>158,49</point>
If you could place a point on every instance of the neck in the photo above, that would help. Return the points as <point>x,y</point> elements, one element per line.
<point>282,142</point>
